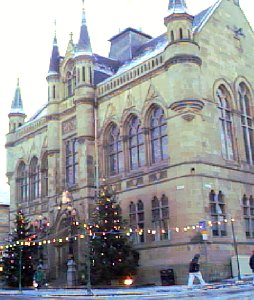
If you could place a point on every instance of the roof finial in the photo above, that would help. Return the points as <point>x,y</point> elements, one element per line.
<point>18,81</point>
<point>83,5</point>
<point>55,28</point>
<point>71,36</point>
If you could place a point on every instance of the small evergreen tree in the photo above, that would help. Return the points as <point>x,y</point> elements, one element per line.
<point>112,255</point>
<point>17,259</point>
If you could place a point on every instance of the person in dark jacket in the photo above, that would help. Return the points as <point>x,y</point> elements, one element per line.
<point>251,264</point>
<point>195,272</point>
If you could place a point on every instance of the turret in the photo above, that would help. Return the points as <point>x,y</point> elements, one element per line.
<point>53,73</point>
<point>84,56</point>
<point>178,21</point>
<point>16,115</point>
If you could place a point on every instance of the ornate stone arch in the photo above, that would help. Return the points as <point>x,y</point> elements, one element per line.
<point>147,109</point>
<point>68,67</point>
<point>107,123</point>
<point>127,115</point>
<point>238,81</point>
<point>222,83</point>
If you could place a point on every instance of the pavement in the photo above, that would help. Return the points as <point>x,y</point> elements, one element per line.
<point>170,292</point>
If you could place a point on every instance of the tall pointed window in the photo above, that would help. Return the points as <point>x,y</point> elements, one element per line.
<point>69,84</point>
<point>44,176</point>
<point>136,144</point>
<point>225,118</point>
<point>218,215</point>
<point>248,214</point>
<point>34,178</point>
<point>114,151</point>
<point>22,183</point>
<point>160,218</point>
<point>246,122</point>
<point>71,162</point>
<point>158,135</point>
<point>137,219</point>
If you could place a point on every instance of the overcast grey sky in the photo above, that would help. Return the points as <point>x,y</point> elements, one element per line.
<point>27,30</point>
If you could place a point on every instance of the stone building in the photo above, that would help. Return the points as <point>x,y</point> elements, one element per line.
<point>4,223</point>
<point>167,121</point>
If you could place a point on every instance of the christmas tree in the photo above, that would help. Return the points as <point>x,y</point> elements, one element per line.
<point>112,255</point>
<point>17,259</point>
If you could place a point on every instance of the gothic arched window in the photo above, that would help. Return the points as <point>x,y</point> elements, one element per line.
<point>71,162</point>
<point>34,171</point>
<point>136,144</point>
<point>218,213</point>
<point>158,135</point>
<point>22,183</point>
<point>225,118</point>
<point>246,122</point>
<point>160,218</point>
<point>114,151</point>
<point>137,219</point>
<point>44,176</point>
<point>69,84</point>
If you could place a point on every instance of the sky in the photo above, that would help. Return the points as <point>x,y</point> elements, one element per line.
<point>27,31</point>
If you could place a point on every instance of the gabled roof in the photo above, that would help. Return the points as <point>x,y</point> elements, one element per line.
<point>201,19</point>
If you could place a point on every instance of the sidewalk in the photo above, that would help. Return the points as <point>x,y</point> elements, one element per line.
<point>172,291</point>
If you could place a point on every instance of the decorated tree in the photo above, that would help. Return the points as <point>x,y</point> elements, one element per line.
<point>112,254</point>
<point>17,259</point>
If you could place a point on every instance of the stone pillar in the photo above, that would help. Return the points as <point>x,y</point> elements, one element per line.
<point>71,273</point>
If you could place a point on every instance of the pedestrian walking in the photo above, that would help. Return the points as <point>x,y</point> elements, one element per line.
<point>195,272</point>
<point>251,263</point>
<point>39,278</point>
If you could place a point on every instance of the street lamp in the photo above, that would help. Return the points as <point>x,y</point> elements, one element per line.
<point>88,260</point>
<point>70,214</point>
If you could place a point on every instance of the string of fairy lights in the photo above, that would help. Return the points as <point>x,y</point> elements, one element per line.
<point>92,232</point>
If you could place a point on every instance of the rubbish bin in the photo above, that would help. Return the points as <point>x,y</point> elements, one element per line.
<point>167,277</point>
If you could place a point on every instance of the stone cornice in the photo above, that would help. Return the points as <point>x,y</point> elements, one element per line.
<point>53,117</point>
<point>187,108</point>
<point>84,100</point>
<point>52,152</point>
<point>178,17</point>
<point>183,58</point>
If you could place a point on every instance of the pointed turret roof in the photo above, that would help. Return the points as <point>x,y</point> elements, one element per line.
<point>17,105</point>
<point>84,44</point>
<point>54,60</point>
<point>177,7</point>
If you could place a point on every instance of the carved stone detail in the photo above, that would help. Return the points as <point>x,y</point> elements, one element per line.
<point>188,108</point>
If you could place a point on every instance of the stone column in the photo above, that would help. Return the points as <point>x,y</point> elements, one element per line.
<point>71,273</point>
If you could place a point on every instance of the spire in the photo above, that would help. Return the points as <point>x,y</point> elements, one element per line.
<point>84,44</point>
<point>54,60</point>
<point>17,105</point>
<point>177,7</point>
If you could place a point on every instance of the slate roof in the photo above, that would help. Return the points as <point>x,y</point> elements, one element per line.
<point>17,105</point>
<point>84,44</point>
<point>177,6</point>
<point>54,60</point>
<point>156,45</point>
